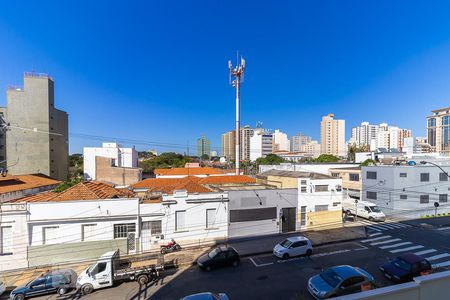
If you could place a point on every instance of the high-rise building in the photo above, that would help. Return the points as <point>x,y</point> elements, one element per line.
<point>280,141</point>
<point>229,142</point>
<point>438,130</point>
<point>379,136</point>
<point>37,141</point>
<point>299,140</point>
<point>203,146</point>
<point>311,149</point>
<point>332,136</point>
<point>261,144</point>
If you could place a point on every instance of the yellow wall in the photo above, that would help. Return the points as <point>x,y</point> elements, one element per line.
<point>327,218</point>
<point>281,182</point>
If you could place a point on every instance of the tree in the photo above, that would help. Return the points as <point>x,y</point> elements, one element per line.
<point>205,157</point>
<point>367,162</point>
<point>270,159</point>
<point>352,149</point>
<point>326,158</point>
<point>164,160</point>
<point>75,166</point>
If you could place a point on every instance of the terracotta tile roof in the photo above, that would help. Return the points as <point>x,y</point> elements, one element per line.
<point>191,171</point>
<point>227,179</point>
<point>169,185</point>
<point>24,182</point>
<point>88,190</point>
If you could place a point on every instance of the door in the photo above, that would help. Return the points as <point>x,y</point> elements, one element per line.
<point>146,236</point>
<point>37,287</point>
<point>102,274</point>
<point>288,219</point>
<point>220,259</point>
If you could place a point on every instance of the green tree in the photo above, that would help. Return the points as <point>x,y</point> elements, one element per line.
<point>367,162</point>
<point>75,166</point>
<point>352,149</point>
<point>164,160</point>
<point>68,184</point>
<point>326,158</point>
<point>270,159</point>
<point>205,157</point>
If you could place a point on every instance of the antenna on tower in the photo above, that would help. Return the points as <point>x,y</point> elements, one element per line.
<point>236,78</point>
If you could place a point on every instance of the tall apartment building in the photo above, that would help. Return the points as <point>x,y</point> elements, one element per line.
<point>311,149</point>
<point>299,140</point>
<point>280,141</point>
<point>438,130</point>
<point>37,141</point>
<point>379,136</point>
<point>332,136</point>
<point>203,146</point>
<point>261,144</point>
<point>228,143</point>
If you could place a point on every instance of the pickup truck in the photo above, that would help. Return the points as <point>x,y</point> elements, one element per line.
<point>364,209</point>
<point>109,269</point>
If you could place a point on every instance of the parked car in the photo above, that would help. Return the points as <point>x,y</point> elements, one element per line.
<point>60,282</point>
<point>293,246</point>
<point>219,257</point>
<point>405,267</point>
<point>207,296</point>
<point>337,281</point>
<point>2,287</point>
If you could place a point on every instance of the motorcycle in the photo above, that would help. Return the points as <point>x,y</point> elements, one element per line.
<point>170,247</point>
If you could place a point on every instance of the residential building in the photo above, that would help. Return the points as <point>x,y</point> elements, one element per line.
<point>294,157</point>
<point>261,144</point>
<point>438,130</point>
<point>15,187</point>
<point>111,163</point>
<point>351,180</point>
<point>229,142</point>
<point>203,146</point>
<point>280,141</point>
<point>322,168</point>
<point>319,196</point>
<point>194,171</point>
<point>332,136</point>
<point>407,191</point>
<point>246,134</point>
<point>378,136</point>
<point>311,149</point>
<point>299,140</point>
<point>37,138</point>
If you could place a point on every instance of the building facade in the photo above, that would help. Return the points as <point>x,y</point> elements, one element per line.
<point>299,140</point>
<point>203,146</point>
<point>261,144</point>
<point>37,139</point>
<point>438,130</point>
<point>280,141</point>
<point>332,136</point>
<point>229,142</point>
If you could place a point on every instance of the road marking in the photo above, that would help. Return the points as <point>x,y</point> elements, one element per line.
<point>437,256</point>
<point>395,245</point>
<point>443,228</point>
<point>443,264</point>
<point>389,226</point>
<point>376,239</point>
<point>425,252</point>
<point>374,234</point>
<point>385,242</point>
<point>406,249</point>
<point>260,265</point>
<point>372,228</point>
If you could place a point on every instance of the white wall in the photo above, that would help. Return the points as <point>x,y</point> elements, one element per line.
<point>317,168</point>
<point>332,197</point>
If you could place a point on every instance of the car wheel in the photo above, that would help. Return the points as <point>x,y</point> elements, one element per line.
<point>142,279</point>
<point>177,247</point>
<point>19,297</point>
<point>285,256</point>
<point>208,268</point>
<point>236,263</point>
<point>163,250</point>
<point>87,289</point>
<point>62,291</point>
<point>308,252</point>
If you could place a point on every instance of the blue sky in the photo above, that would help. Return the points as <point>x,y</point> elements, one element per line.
<point>156,71</point>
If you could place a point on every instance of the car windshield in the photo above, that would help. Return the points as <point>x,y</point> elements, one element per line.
<point>375,209</point>
<point>286,243</point>
<point>213,253</point>
<point>331,278</point>
<point>401,264</point>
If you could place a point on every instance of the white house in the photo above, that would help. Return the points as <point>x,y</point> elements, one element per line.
<point>121,157</point>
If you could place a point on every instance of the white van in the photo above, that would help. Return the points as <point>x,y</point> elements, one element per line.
<point>363,209</point>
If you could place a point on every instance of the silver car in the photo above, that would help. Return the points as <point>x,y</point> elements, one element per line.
<point>337,281</point>
<point>206,296</point>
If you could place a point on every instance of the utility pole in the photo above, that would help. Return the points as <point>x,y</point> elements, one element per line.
<point>236,78</point>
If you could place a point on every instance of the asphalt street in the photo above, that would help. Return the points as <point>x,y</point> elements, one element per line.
<point>267,277</point>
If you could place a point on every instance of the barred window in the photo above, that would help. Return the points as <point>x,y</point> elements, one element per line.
<point>424,199</point>
<point>156,227</point>
<point>371,195</point>
<point>353,177</point>
<point>424,177</point>
<point>371,175</point>
<point>122,230</point>
<point>443,197</point>
<point>443,177</point>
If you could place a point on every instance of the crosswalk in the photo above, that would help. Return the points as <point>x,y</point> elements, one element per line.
<point>399,246</point>
<point>382,226</point>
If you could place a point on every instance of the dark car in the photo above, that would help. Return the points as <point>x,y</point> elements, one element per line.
<point>219,257</point>
<point>60,282</point>
<point>405,267</point>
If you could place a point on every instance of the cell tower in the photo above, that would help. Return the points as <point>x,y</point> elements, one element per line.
<point>236,78</point>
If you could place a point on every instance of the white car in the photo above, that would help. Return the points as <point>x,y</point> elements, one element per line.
<point>2,288</point>
<point>293,246</point>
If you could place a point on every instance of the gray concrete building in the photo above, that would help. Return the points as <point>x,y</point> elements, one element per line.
<point>37,139</point>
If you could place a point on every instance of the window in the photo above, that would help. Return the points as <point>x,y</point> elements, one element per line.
<point>210,217</point>
<point>49,235</point>
<point>88,232</point>
<point>424,177</point>
<point>321,188</point>
<point>371,195</point>
<point>371,175</point>
<point>353,177</point>
<point>321,207</point>
<point>255,214</point>
<point>443,177</point>
<point>303,189</point>
<point>303,216</point>
<point>303,182</point>
<point>424,199</point>
<point>180,220</point>
<point>156,227</point>
<point>335,175</point>
<point>122,230</point>
<point>443,197</point>
<point>6,239</point>
<point>100,267</point>
<point>403,197</point>
<point>403,175</point>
